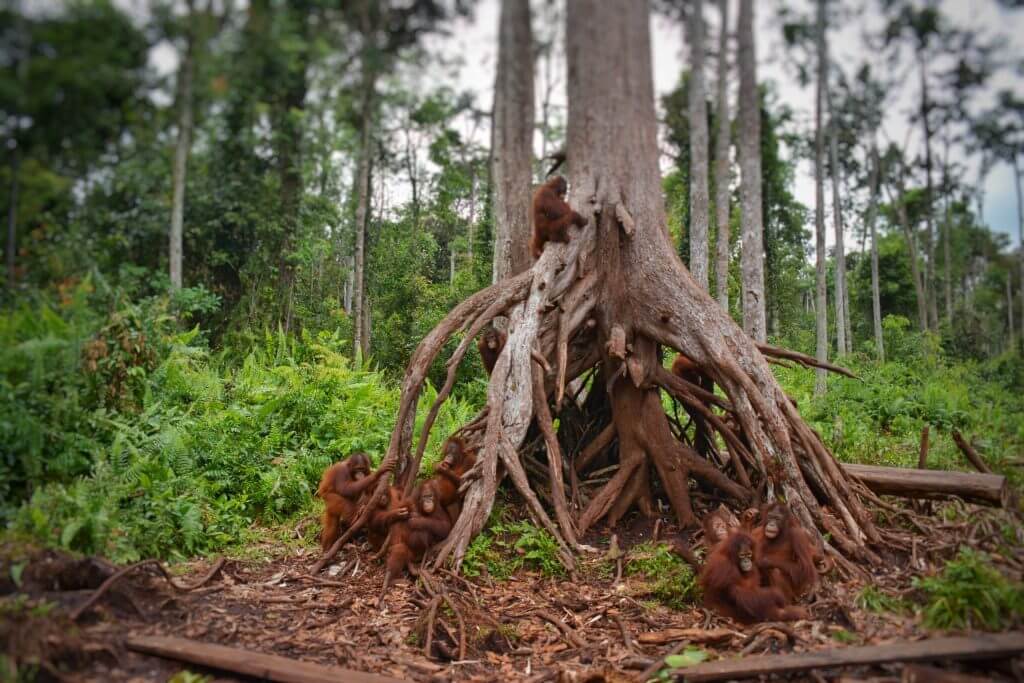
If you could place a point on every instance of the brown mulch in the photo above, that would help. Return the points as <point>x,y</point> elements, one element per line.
<point>526,628</point>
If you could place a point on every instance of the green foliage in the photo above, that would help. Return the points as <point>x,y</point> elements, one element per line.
<point>878,420</point>
<point>873,599</point>
<point>670,579</point>
<point>688,657</point>
<point>505,547</point>
<point>203,447</point>
<point>970,593</point>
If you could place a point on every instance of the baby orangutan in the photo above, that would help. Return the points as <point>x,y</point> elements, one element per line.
<point>732,585</point>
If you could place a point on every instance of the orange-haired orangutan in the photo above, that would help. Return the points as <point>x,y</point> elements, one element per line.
<point>490,344</point>
<point>785,553</point>
<point>410,539</point>
<point>552,215</point>
<point>340,487</point>
<point>390,508</point>
<point>732,585</point>
<point>448,474</point>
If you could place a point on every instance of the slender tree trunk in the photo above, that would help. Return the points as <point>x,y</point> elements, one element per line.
<point>1009,309</point>
<point>360,343</point>
<point>512,146</point>
<point>752,254</point>
<point>698,146</point>
<point>12,218</point>
<point>288,134</point>
<point>821,286</point>
<point>876,304</point>
<point>929,246</point>
<point>181,152</point>
<point>842,322</point>
<point>722,162</point>
<point>1020,235</point>
<point>915,269</point>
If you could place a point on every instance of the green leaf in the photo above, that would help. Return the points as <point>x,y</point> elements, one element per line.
<point>687,657</point>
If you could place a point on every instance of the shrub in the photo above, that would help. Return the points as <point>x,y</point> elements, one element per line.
<point>970,593</point>
<point>671,580</point>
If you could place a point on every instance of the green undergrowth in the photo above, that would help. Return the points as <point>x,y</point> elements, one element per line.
<point>969,593</point>
<point>507,546</point>
<point>878,418</point>
<point>127,437</point>
<point>668,578</point>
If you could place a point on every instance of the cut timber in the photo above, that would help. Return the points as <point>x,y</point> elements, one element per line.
<point>247,662</point>
<point>984,489</point>
<point>969,453</point>
<point>986,646</point>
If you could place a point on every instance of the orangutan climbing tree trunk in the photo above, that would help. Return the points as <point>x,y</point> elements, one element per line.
<point>608,306</point>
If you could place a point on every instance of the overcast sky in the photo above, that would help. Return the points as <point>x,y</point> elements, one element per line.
<point>476,42</point>
<point>473,41</point>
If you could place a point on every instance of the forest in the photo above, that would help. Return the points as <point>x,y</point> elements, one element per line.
<point>563,340</point>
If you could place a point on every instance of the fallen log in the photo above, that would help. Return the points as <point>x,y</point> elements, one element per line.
<point>248,663</point>
<point>984,489</point>
<point>969,453</point>
<point>983,646</point>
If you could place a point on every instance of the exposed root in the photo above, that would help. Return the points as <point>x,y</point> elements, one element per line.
<point>108,584</point>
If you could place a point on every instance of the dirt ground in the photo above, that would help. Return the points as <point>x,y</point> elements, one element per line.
<point>526,628</point>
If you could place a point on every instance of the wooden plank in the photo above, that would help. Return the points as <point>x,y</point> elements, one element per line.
<point>984,489</point>
<point>247,662</point>
<point>982,646</point>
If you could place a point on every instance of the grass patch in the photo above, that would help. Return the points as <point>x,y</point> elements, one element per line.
<point>970,593</point>
<point>670,580</point>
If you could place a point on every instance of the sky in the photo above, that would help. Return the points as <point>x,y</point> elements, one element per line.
<point>475,41</point>
<point>472,42</point>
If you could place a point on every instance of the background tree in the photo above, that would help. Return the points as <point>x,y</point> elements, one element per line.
<point>752,252</point>
<point>699,207</point>
<point>512,140</point>
<point>723,163</point>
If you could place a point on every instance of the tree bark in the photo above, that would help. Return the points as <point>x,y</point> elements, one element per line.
<point>842,315</point>
<point>820,284</point>
<point>512,141</point>
<point>181,150</point>
<point>947,226</point>
<point>752,254</point>
<point>12,218</point>
<point>722,161</point>
<point>698,115</point>
<point>876,305</point>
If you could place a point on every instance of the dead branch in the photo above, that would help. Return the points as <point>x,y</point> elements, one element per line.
<point>106,585</point>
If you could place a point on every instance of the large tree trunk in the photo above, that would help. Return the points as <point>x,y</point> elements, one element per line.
<point>876,304</point>
<point>843,343</point>
<point>820,284</point>
<point>698,114</point>
<point>929,243</point>
<point>181,151</point>
<point>752,254</point>
<point>611,300</point>
<point>512,141</point>
<point>722,161</point>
